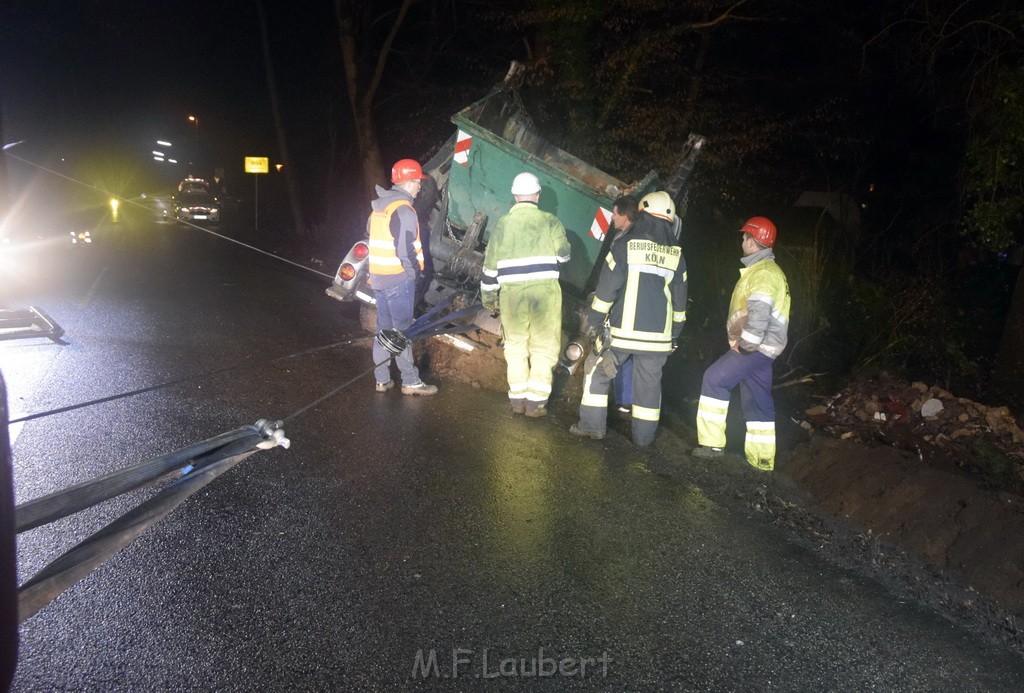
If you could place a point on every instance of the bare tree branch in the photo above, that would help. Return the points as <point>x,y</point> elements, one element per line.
<point>385,50</point>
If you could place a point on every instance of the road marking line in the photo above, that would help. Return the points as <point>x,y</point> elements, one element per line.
<point>91,293</point>
<point>13,431</point>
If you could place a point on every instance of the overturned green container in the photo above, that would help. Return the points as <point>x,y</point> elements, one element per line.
<point>497,141</point>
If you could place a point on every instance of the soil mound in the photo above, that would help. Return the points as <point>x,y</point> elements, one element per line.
<point>939,475</point>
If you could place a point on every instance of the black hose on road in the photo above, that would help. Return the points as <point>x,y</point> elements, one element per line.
<point>87,555</point>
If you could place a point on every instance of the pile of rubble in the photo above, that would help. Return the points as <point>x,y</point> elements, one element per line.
<point>933,422</point>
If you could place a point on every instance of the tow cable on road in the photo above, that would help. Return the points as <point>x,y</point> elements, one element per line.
<point>190,468</point>
<point>427,325</point>
<point>194,471</point>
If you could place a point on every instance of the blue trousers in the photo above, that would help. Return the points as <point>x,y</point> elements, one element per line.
<point>623,384</point>
<point>753,374</point>
<point>394,312</point>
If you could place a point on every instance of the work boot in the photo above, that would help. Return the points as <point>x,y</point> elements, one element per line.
<point>419,389</point>
<point>518,405</point>
<point>705,453</point>
<point>577,431</point>
<point>384,387</point>
<point>535,410</point>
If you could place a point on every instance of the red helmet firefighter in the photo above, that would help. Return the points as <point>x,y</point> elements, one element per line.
<point>406,170</point>
<point>761,229</point>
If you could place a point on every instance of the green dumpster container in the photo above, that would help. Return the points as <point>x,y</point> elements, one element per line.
<point>471,179</point>
<point>496,141</point>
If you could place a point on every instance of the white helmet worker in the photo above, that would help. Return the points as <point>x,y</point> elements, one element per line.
<point>525,184</point>
<point>659,204</point>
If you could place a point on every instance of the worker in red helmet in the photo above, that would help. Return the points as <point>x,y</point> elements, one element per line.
<point>396,261</point>
<point>757,329</point>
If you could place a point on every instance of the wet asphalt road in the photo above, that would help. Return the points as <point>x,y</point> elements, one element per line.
<point>398,529</point>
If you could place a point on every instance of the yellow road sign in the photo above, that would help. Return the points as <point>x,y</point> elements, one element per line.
<point>257,164</point>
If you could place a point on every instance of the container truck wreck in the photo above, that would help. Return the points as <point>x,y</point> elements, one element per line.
<point>467,187</point>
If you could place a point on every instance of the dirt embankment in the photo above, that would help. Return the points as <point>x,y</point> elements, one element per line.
<point>942,516</point>
<point>936,474</point>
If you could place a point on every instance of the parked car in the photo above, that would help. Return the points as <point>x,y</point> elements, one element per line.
<point>196,204</point>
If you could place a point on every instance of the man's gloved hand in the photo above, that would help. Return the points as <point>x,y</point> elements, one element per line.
<point>591,331</point>
<point>493,307</point>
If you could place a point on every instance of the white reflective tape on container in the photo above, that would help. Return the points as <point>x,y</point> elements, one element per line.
<point>463,142</point>
<point>602,222</point>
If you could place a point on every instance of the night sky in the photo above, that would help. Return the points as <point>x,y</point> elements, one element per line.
<point>792,96</point>
<point>82,75</point>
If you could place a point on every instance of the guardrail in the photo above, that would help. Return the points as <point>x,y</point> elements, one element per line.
<point>25,323</point>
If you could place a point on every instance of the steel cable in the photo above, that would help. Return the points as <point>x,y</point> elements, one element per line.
<point>208,374</point>
<point>68,501</point>
<point>196,465</point>
<point>87,555</point>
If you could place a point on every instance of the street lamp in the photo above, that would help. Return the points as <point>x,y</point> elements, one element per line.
<point>195,121</point>
<point>160,154</point>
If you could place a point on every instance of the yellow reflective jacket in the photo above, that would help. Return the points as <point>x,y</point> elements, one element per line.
<point>759,308</point>
<point>394,236</point>
<point>527,245</point>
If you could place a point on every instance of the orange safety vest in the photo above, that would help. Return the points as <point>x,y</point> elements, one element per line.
<point>383,259</point>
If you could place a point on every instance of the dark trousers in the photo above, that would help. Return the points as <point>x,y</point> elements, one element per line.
<point>646,393</point>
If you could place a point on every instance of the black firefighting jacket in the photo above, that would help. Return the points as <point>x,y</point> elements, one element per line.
<point>642,288</point>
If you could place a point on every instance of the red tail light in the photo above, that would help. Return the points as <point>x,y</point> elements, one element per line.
<point>347,272</point>
<point>360,250</point>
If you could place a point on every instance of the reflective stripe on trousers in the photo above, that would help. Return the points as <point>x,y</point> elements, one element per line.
<point>759,446</point>
<point>646,394</point>
<point>753,374</point>
<point>711,415</point>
